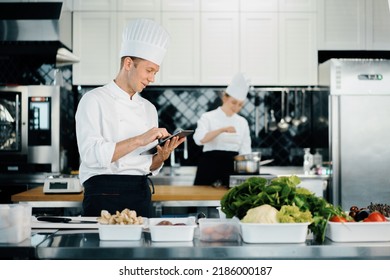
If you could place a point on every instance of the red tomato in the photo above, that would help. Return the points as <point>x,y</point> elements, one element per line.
<point>375,217</point>
<point>338,219</point>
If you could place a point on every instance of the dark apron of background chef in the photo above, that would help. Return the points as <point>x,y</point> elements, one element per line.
<point>215,168</point>
<point>115,193</point>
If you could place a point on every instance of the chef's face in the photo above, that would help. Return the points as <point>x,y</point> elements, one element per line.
<point>141,73</point>
<point>232,105</point>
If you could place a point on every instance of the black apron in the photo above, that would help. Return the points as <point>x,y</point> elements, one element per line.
<point>117,192</point>
<point>215,168</point>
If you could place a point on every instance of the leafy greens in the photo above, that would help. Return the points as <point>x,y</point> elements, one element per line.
<point>277,192</point>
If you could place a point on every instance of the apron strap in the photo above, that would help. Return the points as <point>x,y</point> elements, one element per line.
<point>150,181</point>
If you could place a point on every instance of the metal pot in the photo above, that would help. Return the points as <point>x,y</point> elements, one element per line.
<point>247,167</point>
<point>248,163</point>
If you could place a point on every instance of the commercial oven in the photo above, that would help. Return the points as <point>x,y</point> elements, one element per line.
<point>34,128</point>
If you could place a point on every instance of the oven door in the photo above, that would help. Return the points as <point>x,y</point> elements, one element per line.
<point>13,123</point>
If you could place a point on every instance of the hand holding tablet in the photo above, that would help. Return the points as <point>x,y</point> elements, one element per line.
<point>180,134</point>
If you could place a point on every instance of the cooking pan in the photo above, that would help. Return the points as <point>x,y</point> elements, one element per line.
<point>249,163</point>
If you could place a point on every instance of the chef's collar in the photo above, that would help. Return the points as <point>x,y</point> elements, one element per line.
<point>120,93</point>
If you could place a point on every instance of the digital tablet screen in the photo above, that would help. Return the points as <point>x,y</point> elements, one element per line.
<point>181,134</point>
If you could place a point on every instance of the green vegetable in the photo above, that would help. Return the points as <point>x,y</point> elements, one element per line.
<point>265,214</point>
<point>292,214</point>
<point>257,191</point>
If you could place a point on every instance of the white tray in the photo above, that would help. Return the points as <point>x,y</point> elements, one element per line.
<point>358,231</point>
<point>120,232</point>
<point>274,233</point>
<point>172,233</point>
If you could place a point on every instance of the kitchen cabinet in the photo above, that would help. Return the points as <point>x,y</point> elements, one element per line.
<point>180,5</point>
<point>279,48</point>
<point>181,64</point>
<point>139,6</point>
<point>273,41</point>
<point>219,47</point>
<point>259,6</point>
<point>377,25</point>
<point>97,38</point>
<point>259,57</point>
<point>297,49</point>
<point>219,5</point>
<point>353,25</point>
<point>94,5</point>
<point>297,6</point>
<point>95,42</point>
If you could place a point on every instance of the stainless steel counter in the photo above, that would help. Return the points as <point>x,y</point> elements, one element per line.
<point>85,244</point>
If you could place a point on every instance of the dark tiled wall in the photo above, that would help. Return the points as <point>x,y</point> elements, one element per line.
<point>183,106</point>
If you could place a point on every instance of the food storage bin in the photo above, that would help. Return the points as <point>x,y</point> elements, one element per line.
<point>182,229</point>
<point>219,229</point>
<point>274,233</point>
<point>15,222</point>
<point>120,232</point>
<point>358,231</point>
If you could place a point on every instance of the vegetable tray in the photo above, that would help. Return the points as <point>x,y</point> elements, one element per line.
<point>120,232</point>
<point>172,233</point>
<point>274,233</point>
<point>358,231</point>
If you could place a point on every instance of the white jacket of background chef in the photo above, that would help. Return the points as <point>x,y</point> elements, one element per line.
<point>235,142</point>
<point>107,115</point>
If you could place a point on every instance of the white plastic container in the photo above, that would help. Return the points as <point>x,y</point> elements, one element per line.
<point>274,233</point>
<point>358,231</point>
<point>120,232</point>
<point>173,232</point>
<point>15,222</point>
<point>219,230</point>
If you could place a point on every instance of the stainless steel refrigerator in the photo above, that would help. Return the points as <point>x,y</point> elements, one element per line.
<point>359,130</point>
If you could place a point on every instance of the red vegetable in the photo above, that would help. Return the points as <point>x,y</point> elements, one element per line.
<point>338,219</point>
<point>375,217</point>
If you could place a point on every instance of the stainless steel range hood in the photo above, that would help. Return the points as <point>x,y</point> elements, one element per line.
<point>37,28</point>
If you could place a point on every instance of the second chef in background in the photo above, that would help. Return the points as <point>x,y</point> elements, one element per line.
<point>223,134</point>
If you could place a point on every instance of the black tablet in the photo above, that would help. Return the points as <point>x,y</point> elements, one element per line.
<point>180,133</point>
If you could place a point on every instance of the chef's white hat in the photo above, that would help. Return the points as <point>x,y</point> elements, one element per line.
<point>144,38</point>
<point>239,87</point>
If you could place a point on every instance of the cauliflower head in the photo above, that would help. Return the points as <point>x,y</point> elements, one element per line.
<point>265,214</point>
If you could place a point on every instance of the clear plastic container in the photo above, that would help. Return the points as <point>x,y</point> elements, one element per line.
<point>219,229</point>
<point>15,222</point>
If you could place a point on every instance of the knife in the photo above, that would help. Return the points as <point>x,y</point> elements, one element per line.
<point>63,220</point>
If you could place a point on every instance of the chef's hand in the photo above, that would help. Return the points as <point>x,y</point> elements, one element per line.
<point>152,135</point>
<point>163,152</point>
<point>229,129</point>
<point>126,146</point>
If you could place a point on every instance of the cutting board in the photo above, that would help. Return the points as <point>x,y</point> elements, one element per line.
<point>35,224</point>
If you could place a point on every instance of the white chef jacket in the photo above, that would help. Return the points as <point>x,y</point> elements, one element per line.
<point>235,142</point>
<point>105,116</point>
